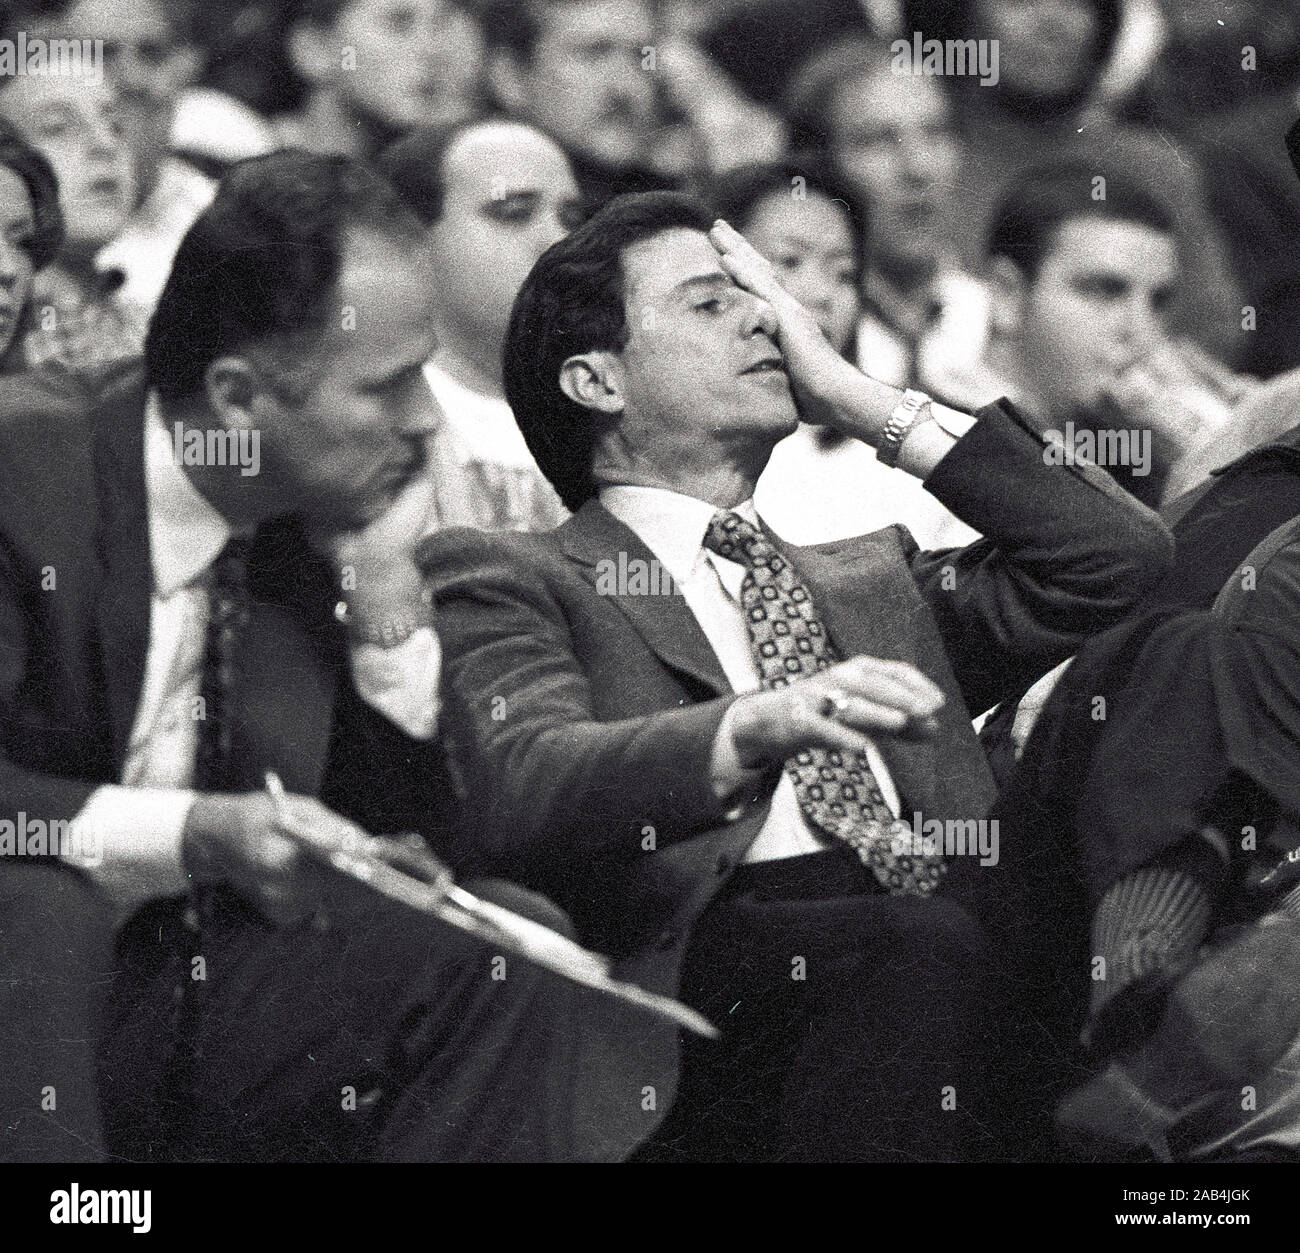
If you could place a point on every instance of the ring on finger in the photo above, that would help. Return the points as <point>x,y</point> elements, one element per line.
<point>834,706</point>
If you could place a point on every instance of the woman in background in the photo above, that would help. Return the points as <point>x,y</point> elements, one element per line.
<point>31,235</point>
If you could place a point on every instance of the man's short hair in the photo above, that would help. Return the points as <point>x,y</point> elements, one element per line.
<point>1036,204</point>
<point>43,187</point>
<point>416,164</point>
<point>738,192</point>
<point>515,26</point>
<point>573,302</point>
<point>259,269</point>
<point>322,13</point>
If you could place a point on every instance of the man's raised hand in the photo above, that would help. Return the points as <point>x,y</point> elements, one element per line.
<point>817,372</point>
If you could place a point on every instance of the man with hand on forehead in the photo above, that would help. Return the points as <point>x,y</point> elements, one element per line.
<point>721,773</point>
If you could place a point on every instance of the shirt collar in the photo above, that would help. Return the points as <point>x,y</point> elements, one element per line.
<point>671,526</point>
<point>186,534</point>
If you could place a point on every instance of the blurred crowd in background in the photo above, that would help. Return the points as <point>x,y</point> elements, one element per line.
<point>902,206</point>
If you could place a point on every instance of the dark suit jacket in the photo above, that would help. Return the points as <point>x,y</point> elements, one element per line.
<point>1201,730</point>
<point>72,652</point>
<point>580,725</point>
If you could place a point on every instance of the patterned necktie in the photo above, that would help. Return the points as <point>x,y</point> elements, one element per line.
<point>227,617</point>
<point>837,792</point>
<point>227,585</point>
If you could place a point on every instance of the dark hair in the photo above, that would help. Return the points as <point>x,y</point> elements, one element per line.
<point>1036,204</point>
<point>259,267</point>
<point>43,187</point>
<point>515,26</point>
<point>738,193</point>
<point>416,164</point>
<point>15,13</point>
<point>318,12</point>
<point>573,302</point>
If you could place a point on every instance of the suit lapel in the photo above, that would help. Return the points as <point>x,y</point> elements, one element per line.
<point>126,584</point>
<point>594,536</point>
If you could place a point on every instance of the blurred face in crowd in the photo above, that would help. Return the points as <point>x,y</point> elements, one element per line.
<point>892,139</point>
<point>17,227</point>
<point>77,125</point>
<point>810,242</point>
<point>1046,47</point>
<point>700,363</point>
<point>585,84</point>
<point>400,63</point>
<point>343,449</point>
<point>146,60</point>
<point>509,195</point>
<point>1098,303</point>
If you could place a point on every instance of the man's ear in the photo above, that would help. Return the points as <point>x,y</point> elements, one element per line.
<point>311,51</point>
<point>505,77</point>
<point>233,387</point>
<point>594,381</point>
<point>1009,291</point>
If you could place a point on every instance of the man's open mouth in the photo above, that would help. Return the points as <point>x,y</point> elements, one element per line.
<point>768,365</point>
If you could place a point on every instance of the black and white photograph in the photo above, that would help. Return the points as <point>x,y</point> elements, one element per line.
<point>648,584</point>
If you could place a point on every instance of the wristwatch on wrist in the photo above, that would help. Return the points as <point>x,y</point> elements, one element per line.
<point>386,630</point>
<point>913,408</point>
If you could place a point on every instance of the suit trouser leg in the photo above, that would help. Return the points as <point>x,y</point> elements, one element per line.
<point>383,1036</point>
<point>857,1026</point>
<point>55,963</point>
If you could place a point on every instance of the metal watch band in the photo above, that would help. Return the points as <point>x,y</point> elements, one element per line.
<point>907,413</point>
<point>388,631</point>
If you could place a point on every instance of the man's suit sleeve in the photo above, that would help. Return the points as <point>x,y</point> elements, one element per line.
<point>23,790</point>
<point>40,424</point>
<point>539,775</point>
<point>1066,552</point>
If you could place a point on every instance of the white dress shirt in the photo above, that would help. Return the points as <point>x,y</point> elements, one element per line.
<point>484,474</point>
<point>130,834</point>
<point>672,527</point>
<point>812,492</point>
<point>144,249</point>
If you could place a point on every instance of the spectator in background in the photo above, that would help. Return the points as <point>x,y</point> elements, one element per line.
<point>76,125</point>
<point>376,69</point>
<point>575,69</point>
<point>1083,289</point>
<point>1253,194</point>
<point>493,195</point>
<point>1203,69</point>
<point>31,236</point>
<point>246,58</point>
<point>762,43</point>
<point>890,138</point>
<point>819,483</point>
<point>149,60</point>
<point>1045,104</point>
<point>712,125</point>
